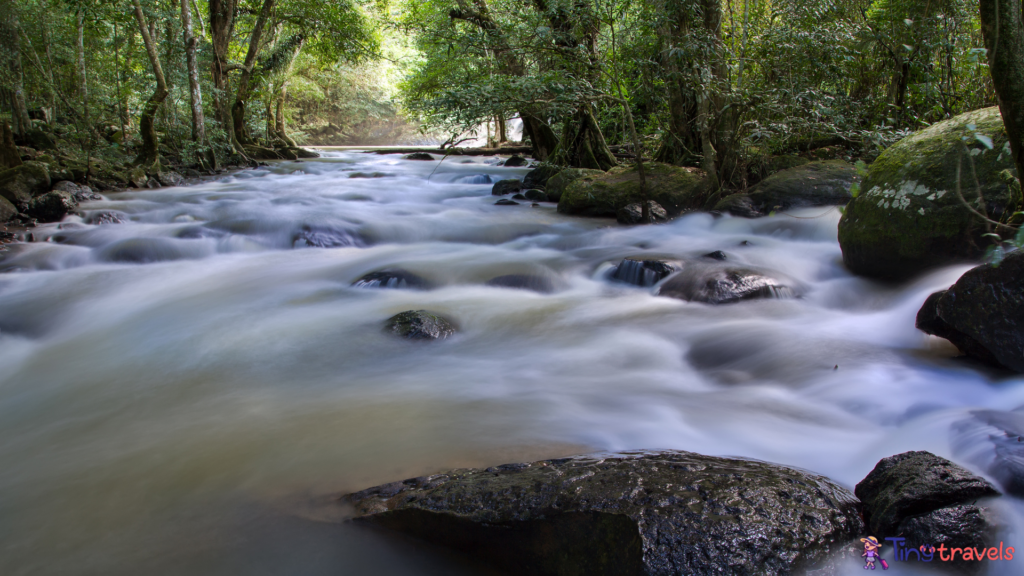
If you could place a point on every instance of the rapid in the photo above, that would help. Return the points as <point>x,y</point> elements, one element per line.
<point>184,370</point>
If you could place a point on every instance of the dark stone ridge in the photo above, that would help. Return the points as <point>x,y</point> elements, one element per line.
<point>516,161</point>
<point>316,237</point>
<point>539,176</point>
<point>418,156</point>
<point>961,526</point>
<point>812,184</point>
<point>915,484</point>
<point>392,278</point>
<point>506,202</point>
<point>640,272</point>
<point>535,195</point>
<point>635,513</point>
<point>533,282</point>
<point>368,175</point>
<point>419,325</point>
<point>983,313</point>
<point>80,192</point>
<point>716,255</point>
<point>633,213</point>
<point>705,282</point>
<point>510,186</point>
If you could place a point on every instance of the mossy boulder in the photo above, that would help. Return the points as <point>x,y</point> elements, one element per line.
<point>509,186</point>
<point>556,185</point>
<point>675,188</point>
<point>824,183</point>
<point>539,176</point>
<point>7,210</point>
<point>909,217</point>
<point>654,513</point>
<point>19,185</point>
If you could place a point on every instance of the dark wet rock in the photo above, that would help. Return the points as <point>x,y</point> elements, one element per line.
<point>644,272</point>
<point>506,202</point>
<point>633,213</point>
<point>535,195</point>
<point>650,513</point>
<point>812,184</point>
<point>914,484</point>
<point>52,206</point>
<point>368,175</point>
<point>170,178</point>
<point>317,237</point>
<point>420,325</point>
<point>983,313</point>
<point>8,211</point>
<point>142,251</point>
<point>556,185</point>
<point>516,161</point>
<point>304,152</point>
<point>106,217</point>
<point>533,282</point>
<point>704,282</point>
<point>674,188</point>
<point>963,526</point>
<point>418,156</point>
<point>518,197</point>
<point>391,278</point>
<point>20,184</point>
<point>80,192</point>
<point>908,217</point>
<point>510,186</point>
<point>539,176</point>
<point>474,179</point>
<point>716,255</point>
<point>993,440</point>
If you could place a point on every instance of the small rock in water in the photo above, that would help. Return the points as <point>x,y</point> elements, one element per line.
<point>419,325</point>
<point>516,161</point>
<point>524,281</point>
<point>418,156</point>
<point>991,439</point>
<point>502,187</point>
<point>518,197</point>
<point>391,279</point>
<point>538,177</point>
<point>368,175</point>
<point>633,213</point>
<point>656,513</point>
<point>323,238</point>
<point>640,272</point>
<point>725,285</point>
<point>506,202</point>
<point>536,195</point>
<point>106,217</point>
<point>716,255</point>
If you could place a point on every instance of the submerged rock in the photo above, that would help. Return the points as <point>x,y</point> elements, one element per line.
<point>557,184</point>
<point>673,187</point>
<point>633,213</point>
<point>418,156</point>
<point>533,282</point>
<point>994,441</point>
<point>535,196</point>
<point>516,161</point>
<point>983,313</point>
<point>419,325</point>
<point>704,282</point>
<point>812,184</point>
<point>317,237</point>
<point>643,272</point>
<point>908,216</point>
<point>716,255</point>
<point>506,202</point>
<point>510,186</point>
<point>368,175</point>
<point>650,513</point>
<point>393,278</point>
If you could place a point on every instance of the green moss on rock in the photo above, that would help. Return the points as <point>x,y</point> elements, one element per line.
<point>909,218</point>
<point>823,183</point>
<point>19,185</point>
<point>675,188</point>
<point>556,185</point>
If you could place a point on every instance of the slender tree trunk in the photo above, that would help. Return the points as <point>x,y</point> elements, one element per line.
<point>1002,27</point>
<point>222,26</point>
<point>242,93</point>
<point>149,154</point>
<point>195,93</point>
<point>280,130</point>
<point>9,37</point>
<point>502,129</point>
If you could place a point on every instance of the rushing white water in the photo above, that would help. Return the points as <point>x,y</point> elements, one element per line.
<point>172,384</point>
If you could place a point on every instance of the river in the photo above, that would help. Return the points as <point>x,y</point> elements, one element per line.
<point>177,387</point>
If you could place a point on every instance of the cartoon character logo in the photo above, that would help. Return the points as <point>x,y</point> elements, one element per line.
<point>871,548</point>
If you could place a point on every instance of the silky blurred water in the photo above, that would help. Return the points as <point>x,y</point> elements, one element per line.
<point>173,386</point>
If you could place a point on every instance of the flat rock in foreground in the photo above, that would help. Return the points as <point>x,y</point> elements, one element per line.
<point>623,514</point>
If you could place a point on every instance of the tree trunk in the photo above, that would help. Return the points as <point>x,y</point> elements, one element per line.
<point>502,129</point>
<point>9,37</point>
<point>542,138</point>
<point>279,124</point>
<point>582,144</point>
<point>242,93</point>
<point>1002,27</point>
<point>222,26</point>
<point>195,93</point>
<point>150,155</point>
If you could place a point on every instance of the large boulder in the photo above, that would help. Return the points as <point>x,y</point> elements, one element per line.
<point>714,283</point>
<point>52,206</point>
<point>675,188</point>
<point>824,183</point>
<point>7,210</point>
<point>651,513</point>
<point>983,313</point>
<point>19,185</point>
<point>539,176</point>
<point>909,217</point>
<point>556,185</point>
<point>508,186</point>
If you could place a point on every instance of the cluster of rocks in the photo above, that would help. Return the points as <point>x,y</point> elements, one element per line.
<point>672,512</point>
<point>28,194</point>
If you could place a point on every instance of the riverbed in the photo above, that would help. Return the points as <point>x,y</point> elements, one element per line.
<point>184,370</point>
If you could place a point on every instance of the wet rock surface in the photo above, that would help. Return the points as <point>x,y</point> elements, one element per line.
<point>674,188</point>
<point>19,185</point>
<point>633,213</point>
<point>539,176</point>
<point>509,186</point>
<point>317,237</point>
<point>723,284</point>
<point>392,278</point>
<point>535,195</point>
<point>556,185</point>
<point>52,206</point>
<point>824,183</point>
<point>639,271</point>
<point>418,156</point>
<point>982,313</point>
<point>506,202</point>
<point>916,484</point>
<point>655,513</point>
<point>420,325</point>
<point>516,161</point>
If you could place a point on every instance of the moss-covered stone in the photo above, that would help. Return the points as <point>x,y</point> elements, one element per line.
<point>7,210</point>
<point>19,185</point>
<point>675,188</point>
<point>825,183</point>
<point>909,217</point>
<point>557,184</point>
<point>654,513</point>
